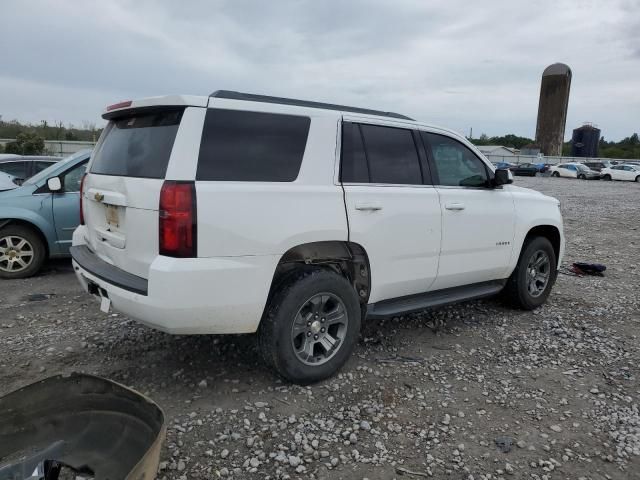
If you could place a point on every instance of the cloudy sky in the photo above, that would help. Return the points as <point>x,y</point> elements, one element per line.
<point>455,63</point>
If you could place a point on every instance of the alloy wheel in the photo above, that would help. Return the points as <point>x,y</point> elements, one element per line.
<point>538,273</point>
<point>16,253</point>
<point>319,329</point>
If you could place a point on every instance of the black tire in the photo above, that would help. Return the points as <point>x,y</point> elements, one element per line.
<point>275,335</point>
<point>582,177</point>
<point>517,289</point>
<point>638,178</point>
<point>607,177</point>
<point>9,269</point>
<point>555,174</point>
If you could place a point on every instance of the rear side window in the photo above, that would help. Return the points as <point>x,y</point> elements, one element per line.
<point>252,146</point>
<point>391,155</point>
<point>137,145</point>
<point>353,166</point>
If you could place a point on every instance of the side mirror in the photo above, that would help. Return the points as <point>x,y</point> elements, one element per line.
<point>54,184</point>
<point>502,177</point>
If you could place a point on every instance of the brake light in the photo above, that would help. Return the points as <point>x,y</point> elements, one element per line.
<point>177,219</point>
<point>81,199</point>
<point>116,106</point>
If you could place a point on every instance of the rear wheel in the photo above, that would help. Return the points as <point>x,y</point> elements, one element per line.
<point>22,252</point>
<point>555,174</point>
<point>582,177</point>
<point>607,177</point>
<point>531,282</point>
<point>310,326</point>
<point>638,178</point>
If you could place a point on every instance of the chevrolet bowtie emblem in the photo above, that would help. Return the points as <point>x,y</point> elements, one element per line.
<point>99,197</point>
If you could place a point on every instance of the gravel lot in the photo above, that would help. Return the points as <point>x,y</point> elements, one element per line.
<point>474,391</point>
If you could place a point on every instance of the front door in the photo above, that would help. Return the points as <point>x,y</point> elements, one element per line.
<point>66,206</point>
<point>478,222</point>
<point>393,211</point>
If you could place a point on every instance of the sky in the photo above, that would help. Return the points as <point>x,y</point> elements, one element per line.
<point>454,63</point>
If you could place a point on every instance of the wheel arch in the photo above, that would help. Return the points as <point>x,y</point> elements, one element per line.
<point>550,232</point>
<point>348,259</point>
<point>30,225</point>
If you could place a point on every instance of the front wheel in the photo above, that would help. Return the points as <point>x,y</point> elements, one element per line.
<point>22,252</point>
<point>582,177</point>
<point>311,326</point>
<point>555,174</point>
<point>531,282</point>
<point>607,177</point>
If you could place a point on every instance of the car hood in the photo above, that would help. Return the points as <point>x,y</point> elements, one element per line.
<point>19,191</point>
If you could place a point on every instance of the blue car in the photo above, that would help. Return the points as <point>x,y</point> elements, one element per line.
<point>37,219</point>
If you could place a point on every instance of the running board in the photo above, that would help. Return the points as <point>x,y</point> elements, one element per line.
<point>438,298</point>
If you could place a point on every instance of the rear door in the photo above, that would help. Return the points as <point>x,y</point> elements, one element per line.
<point>478,223</point>
<point>66,206</point>
<point>122,189</point>
<point>393,210</point>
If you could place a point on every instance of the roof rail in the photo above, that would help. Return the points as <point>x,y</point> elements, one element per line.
<point>250,97</point>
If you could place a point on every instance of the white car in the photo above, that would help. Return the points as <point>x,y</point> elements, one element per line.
<point>627,172</point>
<point>574,170</point>
<point>240,213</point>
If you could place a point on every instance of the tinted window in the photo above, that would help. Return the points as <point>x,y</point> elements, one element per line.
<point>138,145</point>
<point>455,164</point>
<point>17,169</point>
<point>39,166</point>
<point>252,146</point>
<point>71,179</point>
<point>354,162</point>
<point>391,155</point>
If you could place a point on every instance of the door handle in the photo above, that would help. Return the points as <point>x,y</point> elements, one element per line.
<point>454,206</point>
<point>371,206</point>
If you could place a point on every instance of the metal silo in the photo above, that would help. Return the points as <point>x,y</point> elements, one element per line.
<point>552,108</point>
<point>585,141</point>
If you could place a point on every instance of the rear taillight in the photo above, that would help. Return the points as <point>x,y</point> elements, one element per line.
<point>82,199</point>
<point>178,220</point>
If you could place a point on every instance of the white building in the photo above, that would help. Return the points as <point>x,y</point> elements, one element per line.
<point>496,150</point>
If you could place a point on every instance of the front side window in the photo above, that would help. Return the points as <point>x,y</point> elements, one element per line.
<point>71,179</point>
<point>391,154</point>
<point>455,164</point>
<point>246,146</point>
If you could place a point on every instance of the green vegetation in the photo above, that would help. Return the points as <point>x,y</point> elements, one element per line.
<point>628,147</point>
<point>29,138</point>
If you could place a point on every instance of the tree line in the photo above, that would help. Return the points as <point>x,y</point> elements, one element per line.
<point>29,138</point>
<point>628,147</point>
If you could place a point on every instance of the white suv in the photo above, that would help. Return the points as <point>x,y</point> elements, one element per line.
<point>240,213</point>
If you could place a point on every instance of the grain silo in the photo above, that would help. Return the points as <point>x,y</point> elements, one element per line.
<point>552,108</point>
<point>585,141</point>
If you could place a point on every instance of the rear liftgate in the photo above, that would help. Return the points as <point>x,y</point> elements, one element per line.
<point>79,424</point>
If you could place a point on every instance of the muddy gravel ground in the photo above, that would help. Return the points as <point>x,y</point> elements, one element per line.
<point>473,391</point>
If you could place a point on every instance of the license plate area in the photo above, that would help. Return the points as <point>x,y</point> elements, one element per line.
<point>112,216</point>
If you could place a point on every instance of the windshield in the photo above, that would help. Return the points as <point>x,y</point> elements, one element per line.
<point>46,173</point>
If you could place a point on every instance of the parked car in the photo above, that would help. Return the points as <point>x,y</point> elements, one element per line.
<point>525,170</point>
<point>503,165</point>
<point>598,166</point>
<point>23,167</point>
<point>622,172</point>
<point>236,213</point>
<point>37,219</point>
<point>574,170</point>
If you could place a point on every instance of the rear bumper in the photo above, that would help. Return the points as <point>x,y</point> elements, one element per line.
<point>185,295</point>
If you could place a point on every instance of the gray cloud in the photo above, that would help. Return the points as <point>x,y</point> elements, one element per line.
<point>456,63</point>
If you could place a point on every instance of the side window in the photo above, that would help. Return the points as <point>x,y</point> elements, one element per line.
<point>39,166</point>
<point>71,179</point>
<point>353,163</point>
<point>17,169</point>
<point>572,167</point>
<point>391,155</point>
<point>455,164</point>
<point>252,146</point>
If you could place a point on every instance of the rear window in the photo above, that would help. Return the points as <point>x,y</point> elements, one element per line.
<point>137,145</point>
<point>252,146</point>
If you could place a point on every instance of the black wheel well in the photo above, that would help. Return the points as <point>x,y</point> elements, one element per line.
<point>348,259</point>
<point>23,223</point>
<point>549,232</point>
